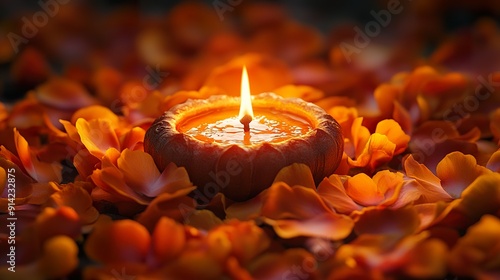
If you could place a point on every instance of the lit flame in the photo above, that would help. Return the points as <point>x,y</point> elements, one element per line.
<point>246,111</point>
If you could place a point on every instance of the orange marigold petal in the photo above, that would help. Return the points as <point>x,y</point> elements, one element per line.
<point>297,174</point>
<point>393,222</point>
<point>139,171</point>
<point>333,192</point>
<point>121,241</point>
<point>42,172</point>
<point>377,151</point>
<point>168,240</point>
<point>495,124</point>
<point>457,171</point>
<point>97,136</point>
<point>59,257</point>
<point>96,112</point>
<point>173,179</point>
<point>327,225</point>
<point>477,251</point>
<point>394,133</point>
<point>363,190</point>
<point>285,202</point>
<point>429,184</point>
<point>494,162</point>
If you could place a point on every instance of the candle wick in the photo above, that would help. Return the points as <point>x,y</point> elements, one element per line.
<point>245,120</point>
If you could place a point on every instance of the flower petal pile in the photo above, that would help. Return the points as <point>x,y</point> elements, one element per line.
<point>416,195</point>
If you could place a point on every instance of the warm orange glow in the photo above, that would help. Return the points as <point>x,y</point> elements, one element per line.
<point>246,110</point>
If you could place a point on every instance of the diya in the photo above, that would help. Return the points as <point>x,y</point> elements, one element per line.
<point>237,145</point>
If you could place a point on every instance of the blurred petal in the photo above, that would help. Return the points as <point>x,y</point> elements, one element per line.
<point>495,124</point>
<point>59,257</point>
<point>306,93</point>
<point>175,206</point>
<point>64,94</point>
<point>390,222</point>
<point>167,240</point>
<point>379,252</point>
<point>481,197</point>
<point>326,225</point>
<point>53,222</point>
<point>247,239</point>
<point>203,220</point>
<point>478,250</point>
<point>494,162</point>
<point>96,112</point>
<point>121,241</point>
<point>428,260</point>
<point>75,195</point>
<point>265,72</point>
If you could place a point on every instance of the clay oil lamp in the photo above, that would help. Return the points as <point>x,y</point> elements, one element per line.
<point>237,145</point>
